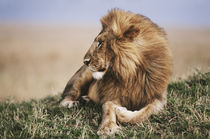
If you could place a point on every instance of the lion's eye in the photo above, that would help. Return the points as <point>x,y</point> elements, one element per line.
<point>100,44</point>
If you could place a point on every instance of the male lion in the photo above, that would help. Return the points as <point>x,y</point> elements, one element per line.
<point>127,70</point>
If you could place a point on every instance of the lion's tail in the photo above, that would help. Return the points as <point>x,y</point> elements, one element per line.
<point>124,115</point>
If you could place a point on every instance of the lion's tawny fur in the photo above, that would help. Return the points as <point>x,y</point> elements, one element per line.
<point>133,54</point>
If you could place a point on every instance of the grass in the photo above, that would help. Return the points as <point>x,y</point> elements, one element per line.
<point>185,116</point>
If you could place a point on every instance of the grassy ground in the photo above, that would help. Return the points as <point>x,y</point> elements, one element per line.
<point>185,116</point>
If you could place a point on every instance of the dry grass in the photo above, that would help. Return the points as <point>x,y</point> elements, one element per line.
<point>190,49</point>
<point>185,116</point>
<point>36,61</point>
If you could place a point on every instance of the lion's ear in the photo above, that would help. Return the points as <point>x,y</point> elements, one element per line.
<point>131,32</point>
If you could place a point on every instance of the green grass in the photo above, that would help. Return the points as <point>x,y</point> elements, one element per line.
<point>185,116</point>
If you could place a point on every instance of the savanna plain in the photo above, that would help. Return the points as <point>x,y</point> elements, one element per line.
<point>36,61</point>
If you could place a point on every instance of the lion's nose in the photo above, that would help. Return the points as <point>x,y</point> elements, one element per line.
<point>86,61</point>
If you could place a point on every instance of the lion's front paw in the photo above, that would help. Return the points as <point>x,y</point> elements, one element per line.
<point>69,103</point>
<point>108,129</point>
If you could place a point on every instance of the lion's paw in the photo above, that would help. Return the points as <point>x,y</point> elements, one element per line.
<point>108,129</point>
<point>69,103</point>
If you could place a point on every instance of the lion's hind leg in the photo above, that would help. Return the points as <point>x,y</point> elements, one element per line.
<point>126,116</point>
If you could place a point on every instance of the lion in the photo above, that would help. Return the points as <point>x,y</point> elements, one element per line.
<point>127,70</point>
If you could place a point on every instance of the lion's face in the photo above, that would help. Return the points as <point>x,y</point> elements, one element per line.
<point>113,48</point>
<point>99,55</point>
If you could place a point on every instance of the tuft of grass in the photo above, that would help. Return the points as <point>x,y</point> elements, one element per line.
<point>186,115</point>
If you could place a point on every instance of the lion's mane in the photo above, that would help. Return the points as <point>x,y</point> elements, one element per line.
<point>141,68</point>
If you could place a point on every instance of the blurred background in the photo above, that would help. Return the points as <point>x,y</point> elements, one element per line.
<point>42,42</point>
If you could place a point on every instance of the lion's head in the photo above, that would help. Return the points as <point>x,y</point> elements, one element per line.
<point>99,55</point>
<point>115,47</point>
